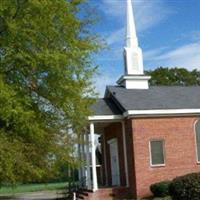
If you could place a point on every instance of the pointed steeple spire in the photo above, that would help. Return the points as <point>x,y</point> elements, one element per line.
<point>133,77</point>
<point>133,53</point>
<point>131,36</point>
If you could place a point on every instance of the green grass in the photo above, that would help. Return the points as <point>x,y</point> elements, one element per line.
<point>32,188</point>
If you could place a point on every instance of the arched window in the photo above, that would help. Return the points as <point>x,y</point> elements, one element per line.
<point>197,132</point>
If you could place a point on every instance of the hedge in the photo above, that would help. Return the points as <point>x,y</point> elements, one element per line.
<point>186,187</point>
<point>160,189</point>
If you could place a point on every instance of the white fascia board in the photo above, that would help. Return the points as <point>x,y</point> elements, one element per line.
<point>131,77</point>
<point>161,112</point>
<point>105,117</point>
<point>144,113</point>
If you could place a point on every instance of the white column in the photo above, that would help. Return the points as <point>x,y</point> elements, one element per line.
<point>79,156</point>
<point>94,171</point>
<point>125,153</point>
<point>105,158</point>
<point>88,178</point>
<point>83,156</point>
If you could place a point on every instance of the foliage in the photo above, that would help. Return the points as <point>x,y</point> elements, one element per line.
<point>159,198</point>
<point>160,189</point>
<point>163,198</point>
<point>186,187</point>
<point>45,85</point>
<point>174,76</point>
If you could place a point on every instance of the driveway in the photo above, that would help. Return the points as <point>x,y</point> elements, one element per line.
<point>43,195</point>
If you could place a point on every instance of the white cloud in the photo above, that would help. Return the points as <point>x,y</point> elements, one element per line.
<point>186,56</point>
<point>116,37</point>
<point>113,7</point>
<point>101,81</point>
<point>147,13</point>
<point>191,35</point>
<point>195,35</point>
<point>150,13</point>
<point>151,54</point>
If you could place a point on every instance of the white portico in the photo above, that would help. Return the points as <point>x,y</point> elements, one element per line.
<point>111,167</point>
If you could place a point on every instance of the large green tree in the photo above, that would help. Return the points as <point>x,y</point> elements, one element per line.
<point>174,76</point>
<point>45,84</point>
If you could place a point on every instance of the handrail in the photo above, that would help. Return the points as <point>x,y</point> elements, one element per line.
<point>74,187</point>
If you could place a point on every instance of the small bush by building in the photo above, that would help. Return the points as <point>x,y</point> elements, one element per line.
<point>160,189</point>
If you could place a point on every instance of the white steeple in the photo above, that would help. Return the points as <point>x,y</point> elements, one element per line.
<point>131,36</point>
<point>133,77</point>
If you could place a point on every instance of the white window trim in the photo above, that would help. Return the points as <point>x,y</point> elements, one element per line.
<point>195,137</point>
<point>164,154</point>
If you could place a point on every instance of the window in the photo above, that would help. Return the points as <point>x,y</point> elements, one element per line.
<point>157,152</point>
<point>197,131</point>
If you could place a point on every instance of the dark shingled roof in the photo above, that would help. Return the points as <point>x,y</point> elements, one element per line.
<point>119,99</point>
<point>105,107</point>
<point>163,97</point>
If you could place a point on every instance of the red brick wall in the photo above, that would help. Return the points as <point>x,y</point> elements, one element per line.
<point>130,156</point>
<point>178,133</point>
<point>115,131</point>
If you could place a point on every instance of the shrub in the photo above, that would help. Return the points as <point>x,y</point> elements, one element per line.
<point>160,189</point>
<point>162,198</point>
<point>186,187</point>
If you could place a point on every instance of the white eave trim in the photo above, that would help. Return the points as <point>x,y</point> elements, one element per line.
<point>161,112</point>
<point>131,77</point>
<point>147,113</point>
<point>105,117</point>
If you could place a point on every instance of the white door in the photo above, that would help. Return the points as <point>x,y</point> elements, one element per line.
<point>114,161</point>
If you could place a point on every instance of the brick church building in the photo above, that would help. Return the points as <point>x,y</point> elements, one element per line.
<point>148,134</point>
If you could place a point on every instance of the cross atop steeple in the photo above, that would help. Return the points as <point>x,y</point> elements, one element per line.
<point>133,77</point>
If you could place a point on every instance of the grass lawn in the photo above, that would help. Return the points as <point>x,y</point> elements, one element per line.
<point>32,188</point>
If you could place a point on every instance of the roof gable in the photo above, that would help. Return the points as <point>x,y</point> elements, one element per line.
<point>106,106</point>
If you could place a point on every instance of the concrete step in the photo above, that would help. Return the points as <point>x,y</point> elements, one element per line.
<point>83,194</point>
<point>103,194</point>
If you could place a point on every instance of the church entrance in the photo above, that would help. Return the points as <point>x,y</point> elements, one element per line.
<point>114,161</point>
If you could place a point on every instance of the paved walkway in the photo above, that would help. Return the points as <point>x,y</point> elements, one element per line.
<point>44,195</point>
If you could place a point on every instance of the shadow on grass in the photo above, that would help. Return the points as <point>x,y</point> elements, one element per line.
<point>6,197</point>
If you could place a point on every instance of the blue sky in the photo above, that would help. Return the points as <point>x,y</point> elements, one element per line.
<point>168,33</point>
